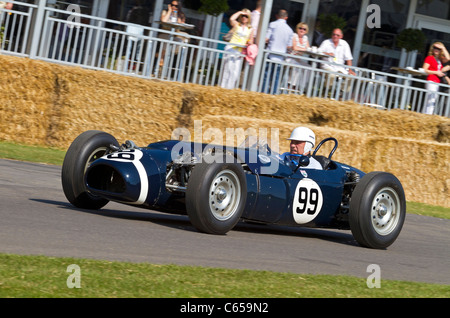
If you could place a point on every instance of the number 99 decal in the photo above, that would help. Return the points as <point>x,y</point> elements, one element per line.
<point>308,200</point>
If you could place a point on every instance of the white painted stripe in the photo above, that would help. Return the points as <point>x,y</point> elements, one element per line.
<point>144,180</point>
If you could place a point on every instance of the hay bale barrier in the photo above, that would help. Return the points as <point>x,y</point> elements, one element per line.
<point>49,105</point>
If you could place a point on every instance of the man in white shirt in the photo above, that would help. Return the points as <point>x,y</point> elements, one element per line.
<point>339,52</point>
<point>279,39</point>
<point>256,14</point>
<point>302,140</point>
<point>279,36</point>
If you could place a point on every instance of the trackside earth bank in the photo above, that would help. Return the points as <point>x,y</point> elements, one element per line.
<point>50,104</point>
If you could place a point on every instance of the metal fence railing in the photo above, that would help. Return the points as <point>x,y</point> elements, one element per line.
<point>132,49</point>
<point>40,32</point>
<point>366,87</point>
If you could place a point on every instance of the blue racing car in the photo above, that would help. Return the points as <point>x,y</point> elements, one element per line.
<point>218,186</point>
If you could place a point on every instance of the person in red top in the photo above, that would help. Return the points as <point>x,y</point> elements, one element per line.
<point>433,66</point>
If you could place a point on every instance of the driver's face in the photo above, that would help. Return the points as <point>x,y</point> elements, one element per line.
<point>297,147</point>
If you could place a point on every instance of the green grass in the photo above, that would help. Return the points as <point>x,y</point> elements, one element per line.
<point>428,210</point>
<point>38,154</point>
<point>39,276</point>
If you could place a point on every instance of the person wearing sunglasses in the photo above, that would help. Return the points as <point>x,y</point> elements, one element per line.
<point>174,11</point>
<point>241,34</point>
<point>339,52</point>
<point>300,43</point>
<point>339,60</point>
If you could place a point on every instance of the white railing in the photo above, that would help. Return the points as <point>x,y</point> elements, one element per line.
<point>45,33</point>
<point>133,49</point>
<point>367,87</point>
<point>15,29</point>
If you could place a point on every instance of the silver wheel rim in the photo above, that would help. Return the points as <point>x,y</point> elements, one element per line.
<point>96,154</point>
<point>385,211</point>
<point>224,195</point>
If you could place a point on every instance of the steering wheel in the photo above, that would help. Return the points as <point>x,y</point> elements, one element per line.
<point>302,161</point>
<point>322,142</point>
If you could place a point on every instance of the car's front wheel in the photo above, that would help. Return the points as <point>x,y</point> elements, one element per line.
<point>86,148</point>
<point>216,196</point>
<point>377,210</point>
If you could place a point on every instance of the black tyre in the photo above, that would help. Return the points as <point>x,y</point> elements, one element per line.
<point>377,210</point>
<point>216,196</point>
<point>86,148</point>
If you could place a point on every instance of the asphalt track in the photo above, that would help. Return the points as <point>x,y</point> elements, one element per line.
<point>36,219</point>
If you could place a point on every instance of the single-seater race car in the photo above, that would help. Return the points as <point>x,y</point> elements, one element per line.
<point>218,186</point>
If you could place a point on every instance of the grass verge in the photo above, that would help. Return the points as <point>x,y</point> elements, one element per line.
<point>9,150</point>
<point>39,276</point>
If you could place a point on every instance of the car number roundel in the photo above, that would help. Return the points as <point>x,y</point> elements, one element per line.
<point>133,156</point>
<point>308,200</point>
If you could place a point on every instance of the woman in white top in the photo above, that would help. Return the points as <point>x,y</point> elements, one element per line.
<point>300,44</point>
<point>300,40</point>
<point>243,35</point>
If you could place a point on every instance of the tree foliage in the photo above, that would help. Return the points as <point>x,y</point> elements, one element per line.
<point>411,40</point>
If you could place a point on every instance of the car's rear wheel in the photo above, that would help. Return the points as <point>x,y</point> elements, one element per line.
<point>377,210</point>
<point>86,148</point>
<point>215,196</point>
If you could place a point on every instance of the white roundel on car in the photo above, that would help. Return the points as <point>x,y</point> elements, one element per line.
<point>133,156</point>
<point>308,200</point>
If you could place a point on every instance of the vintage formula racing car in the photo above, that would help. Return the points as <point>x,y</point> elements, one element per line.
<point>219,186</point>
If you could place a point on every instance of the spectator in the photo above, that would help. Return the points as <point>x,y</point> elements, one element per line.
<point>242,33</point>
<point>137,15</point>
<point>300,39</point>
<point>6,5</point>
<point>339,51</point>
<point>433,66</point>
<point>300,44</point>
<point>256,14</point>
<point>279,39</point>
<point>174,13</point>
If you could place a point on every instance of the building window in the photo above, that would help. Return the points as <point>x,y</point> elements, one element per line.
<point>133,11</point>
<point>348,10</point>
<point>434,8</point>
<point>378,50</point>
<point>85,6</point>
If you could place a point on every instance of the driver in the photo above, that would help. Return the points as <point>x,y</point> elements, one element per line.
<point>303,140</point>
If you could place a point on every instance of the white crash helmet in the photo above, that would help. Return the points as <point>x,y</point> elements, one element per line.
<point>304,134</point>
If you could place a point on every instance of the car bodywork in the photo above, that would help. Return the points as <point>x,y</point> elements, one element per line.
<point>249,183</point>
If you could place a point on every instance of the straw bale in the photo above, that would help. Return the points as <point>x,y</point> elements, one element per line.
<point>50,104</point>
<point>26,99</point>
